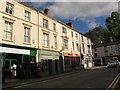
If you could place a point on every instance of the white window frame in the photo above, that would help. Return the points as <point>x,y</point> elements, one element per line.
<point>45,39</point>
<point>64,30</point>
<point>9,8</point>
<point>45,23</point>
<point>27,15</point>
<point>54,26</point>
<point>76,36</point>
<point>27,35</point>
<point>73,46</point>
<point>55,41</point>
<point>65,43</point>
<point>8,30</point>
<point>72,34</point>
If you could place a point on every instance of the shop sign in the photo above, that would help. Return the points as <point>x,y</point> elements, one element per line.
<point>14,50</point>
<point>66,54</point>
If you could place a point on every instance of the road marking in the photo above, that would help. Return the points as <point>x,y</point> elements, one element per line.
<point>114,81</point>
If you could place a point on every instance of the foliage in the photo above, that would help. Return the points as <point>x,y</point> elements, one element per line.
<point>100,35</point>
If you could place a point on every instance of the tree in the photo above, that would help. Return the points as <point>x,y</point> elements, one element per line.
<point>99,35</point>
<point>113,25</point>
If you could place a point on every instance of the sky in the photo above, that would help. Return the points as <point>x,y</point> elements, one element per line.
<point>84,15</point>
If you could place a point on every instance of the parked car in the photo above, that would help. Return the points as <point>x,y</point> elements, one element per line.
<point>112,64</point>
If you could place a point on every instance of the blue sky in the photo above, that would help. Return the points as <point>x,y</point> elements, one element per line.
<point>84,15</point>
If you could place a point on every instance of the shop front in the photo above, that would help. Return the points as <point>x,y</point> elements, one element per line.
<point>49,62</point>
<point>15,55</point>
<point>71,61</point>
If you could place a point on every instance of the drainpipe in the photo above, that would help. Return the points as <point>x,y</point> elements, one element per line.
<point>38,37</point>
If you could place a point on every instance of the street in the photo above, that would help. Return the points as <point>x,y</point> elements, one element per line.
<point>97,78</point>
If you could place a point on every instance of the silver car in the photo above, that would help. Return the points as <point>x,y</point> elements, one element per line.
<point>112,64</point>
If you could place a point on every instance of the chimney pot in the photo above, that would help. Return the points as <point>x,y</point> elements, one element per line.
<point>47,11</point>
<point>70,24</point>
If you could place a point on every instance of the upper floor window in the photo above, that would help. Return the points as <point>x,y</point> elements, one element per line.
<point>73,45</point>
<point>83,48</point>
<point>9,8</point>
<point>55,41</point>
<point>54,26</point>
<point>65,43</point>
<point>26,35</point>
<point>72,33</point>
<point>76,36</point>
<point>27,15</point>
<point>45,39</point>
<point>82,38</point>
<point>64,30</point>
<point>87,40</point>
<point>8,30</point>
<point>77,46</point>
<point>45,23</point>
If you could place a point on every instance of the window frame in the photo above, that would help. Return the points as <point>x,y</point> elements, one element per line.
<point>54,26</point>
<point>45,23</point>
<point>8,10</point>
<point>65,44</point>
<point>28,18</point>
<point>64,30</point>
<point>45,39</point>
<point>8,31</point>
<point>55,41</point>
<point>27,37</point>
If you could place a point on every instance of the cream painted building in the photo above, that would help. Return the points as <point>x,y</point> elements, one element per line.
<point>86,51</point>
<point>27,33</point>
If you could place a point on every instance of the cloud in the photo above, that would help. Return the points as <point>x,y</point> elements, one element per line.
<point>91,23</point>
<point>82,9</point>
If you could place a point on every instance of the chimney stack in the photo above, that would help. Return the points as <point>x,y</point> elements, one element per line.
<point>47,11</point>
<point>70,24</point>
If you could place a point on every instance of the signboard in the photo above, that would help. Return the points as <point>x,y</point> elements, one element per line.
<point>14,50</point>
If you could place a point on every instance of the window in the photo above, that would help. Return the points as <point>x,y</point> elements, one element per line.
<point>45,39</point>
<point>55,41</point>
<point>83,47</point>
<point>9,8</point>
<point>72,33</point>
<point>64,30</point>
<point>54,26</point>
<point>26,35</point>
<point>65,43</point>
<point>87,40</point>
<point>27,15</point>
<point>82,38</point>
<point>8,30</point>
<point>45,23</point>
<point>76,36</point>
<point>77,46</point>
<point>73,45</point>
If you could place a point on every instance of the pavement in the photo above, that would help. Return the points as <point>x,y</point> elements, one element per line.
<point>17,82</point>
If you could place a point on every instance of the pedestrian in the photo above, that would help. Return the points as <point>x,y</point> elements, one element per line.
<point>13,70</point>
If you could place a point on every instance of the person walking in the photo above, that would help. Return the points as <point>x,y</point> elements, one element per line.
<point>13,69</point>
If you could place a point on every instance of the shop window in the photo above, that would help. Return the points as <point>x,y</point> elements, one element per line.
<point>7,64</point>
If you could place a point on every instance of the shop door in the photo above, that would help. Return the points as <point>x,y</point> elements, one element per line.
<point>8,63</point>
